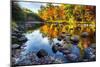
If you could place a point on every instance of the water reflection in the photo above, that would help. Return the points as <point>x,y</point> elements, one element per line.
<point>36,42</point>
<point>48,35</point>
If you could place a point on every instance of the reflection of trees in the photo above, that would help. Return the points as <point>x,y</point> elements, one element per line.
<point>53,30</point>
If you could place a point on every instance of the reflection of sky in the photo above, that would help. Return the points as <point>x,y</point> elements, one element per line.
<point>36,42</point>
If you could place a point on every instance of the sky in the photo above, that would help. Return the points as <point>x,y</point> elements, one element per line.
<point>33,6</point>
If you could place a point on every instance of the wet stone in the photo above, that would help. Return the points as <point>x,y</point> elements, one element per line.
<point>72,57</point>
<point>23,39</point>
<point>59,38</point>
<point>54,48</point>
<point>58,44</point>
<point>42,53</point>
<point>65,52</point>
<point>75,39</point>
<point>84,34</point>
<point>15,46</point>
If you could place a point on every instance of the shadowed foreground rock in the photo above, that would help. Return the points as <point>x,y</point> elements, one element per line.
<point>42,53</point>
<point>54,48</point>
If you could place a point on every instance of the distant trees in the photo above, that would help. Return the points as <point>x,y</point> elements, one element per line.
<point>31,16</point>
<point>17,12</point>
<point>55,12</point>
<point>52,12</point>
<point>23,14</point>
<point>66,11</point>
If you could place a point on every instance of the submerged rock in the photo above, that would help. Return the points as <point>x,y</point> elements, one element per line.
<point>72,58</point>
<point>42,53</point>
<point>54,48</point>
<point>65,52</point>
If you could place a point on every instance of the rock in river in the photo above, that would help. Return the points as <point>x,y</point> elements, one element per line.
<point>42,53</point>
<point>15,46</point>
<point>54,48</point>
